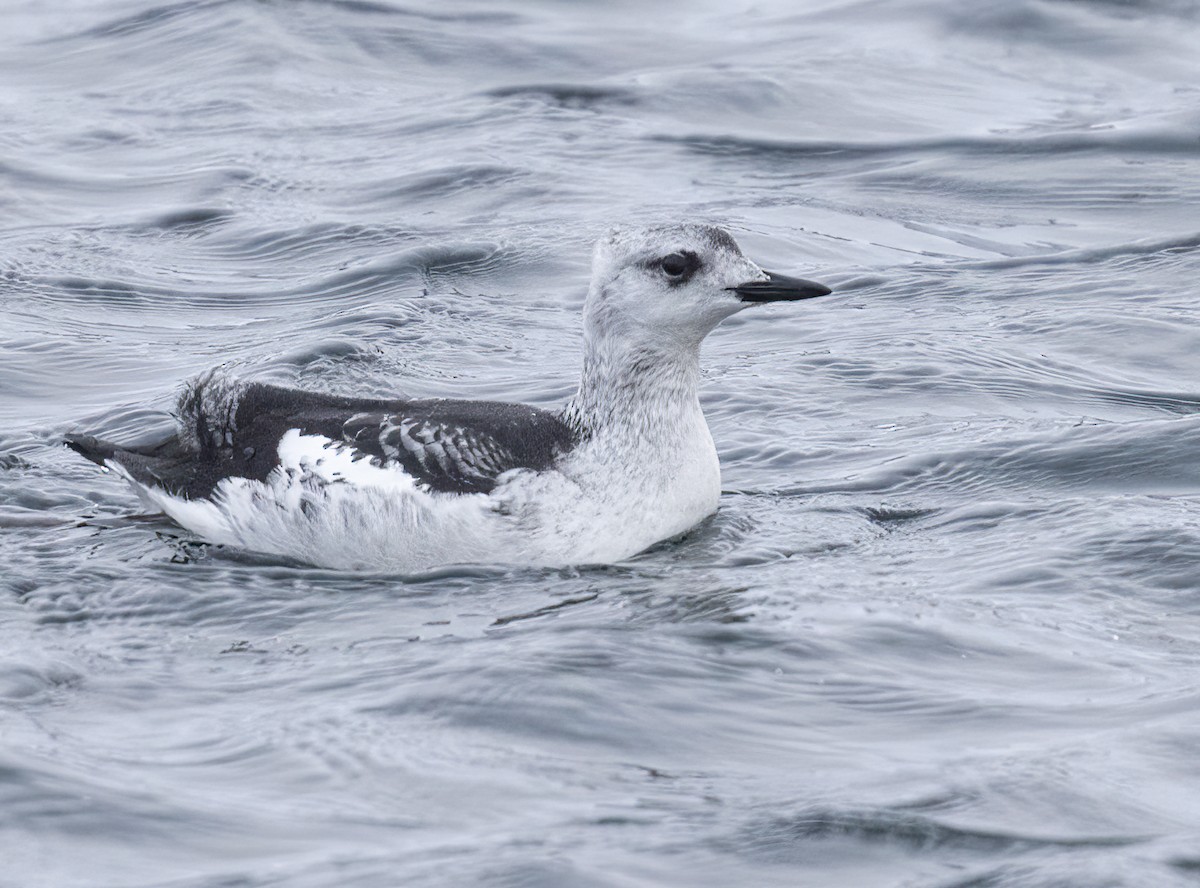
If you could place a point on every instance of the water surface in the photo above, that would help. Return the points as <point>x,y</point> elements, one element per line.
<point>945,629</point>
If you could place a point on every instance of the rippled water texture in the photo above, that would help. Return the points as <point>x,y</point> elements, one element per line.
<point>944,631</point>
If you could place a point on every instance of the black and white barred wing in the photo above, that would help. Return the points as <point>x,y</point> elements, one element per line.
<point>230,430</point>
<point>458,446</point>
<point>442,457</point>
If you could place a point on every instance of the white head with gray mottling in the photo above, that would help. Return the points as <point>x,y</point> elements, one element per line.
<point>666,287</point>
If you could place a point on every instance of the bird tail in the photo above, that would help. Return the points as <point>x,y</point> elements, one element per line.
<point>93,448</point>
<point>164,464</point>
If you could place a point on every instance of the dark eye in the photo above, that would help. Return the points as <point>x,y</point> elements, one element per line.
<point>675,265</point>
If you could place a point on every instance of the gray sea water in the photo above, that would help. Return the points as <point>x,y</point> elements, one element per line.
<point>945,629</point>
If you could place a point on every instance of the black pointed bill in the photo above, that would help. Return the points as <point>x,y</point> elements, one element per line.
<point>779,288</point>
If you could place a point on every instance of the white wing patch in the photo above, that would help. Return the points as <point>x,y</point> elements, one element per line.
<point>315,457</point>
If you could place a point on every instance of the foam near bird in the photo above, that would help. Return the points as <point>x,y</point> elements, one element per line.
<point>405,485</point>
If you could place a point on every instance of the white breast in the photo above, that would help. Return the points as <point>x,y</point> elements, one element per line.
<point>613,497</point>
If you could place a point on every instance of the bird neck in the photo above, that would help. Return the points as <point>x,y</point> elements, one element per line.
<point>647,388</point>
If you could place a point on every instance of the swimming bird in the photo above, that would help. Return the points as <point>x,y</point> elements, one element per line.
<point>407,485</point>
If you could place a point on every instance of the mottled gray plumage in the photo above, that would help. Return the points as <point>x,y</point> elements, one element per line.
<point>407,484</point>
